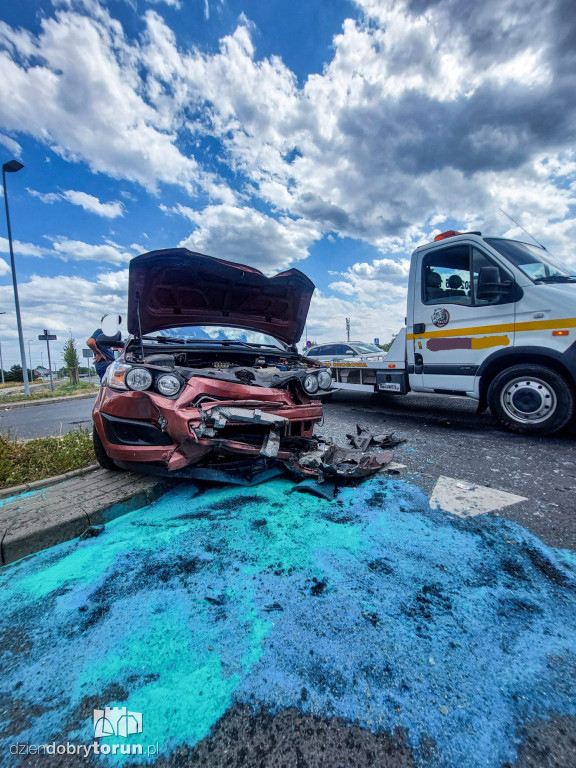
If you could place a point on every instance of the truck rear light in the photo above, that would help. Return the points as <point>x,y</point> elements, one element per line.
<point>391,365</point>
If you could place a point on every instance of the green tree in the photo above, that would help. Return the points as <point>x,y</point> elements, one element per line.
<point>388,344</point>
<point>70,357</point>
<point>15,373</point>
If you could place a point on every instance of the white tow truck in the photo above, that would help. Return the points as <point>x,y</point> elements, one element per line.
<point>488,318</point>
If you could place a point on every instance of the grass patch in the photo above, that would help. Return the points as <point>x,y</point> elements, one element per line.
<point>23,462</point>
<point>60,391</point>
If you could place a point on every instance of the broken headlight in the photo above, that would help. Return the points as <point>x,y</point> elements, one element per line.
<point>310,384</point>
<point>167,384</point>
<point>139,379</point>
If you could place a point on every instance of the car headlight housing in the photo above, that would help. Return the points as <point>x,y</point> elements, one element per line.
<point>310,384</point>
<point>115,375</point>
<point>167,384</point>
<point>324,380</point>
<point>139,379</point>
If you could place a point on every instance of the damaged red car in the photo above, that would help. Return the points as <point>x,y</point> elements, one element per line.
<point>209,381</point>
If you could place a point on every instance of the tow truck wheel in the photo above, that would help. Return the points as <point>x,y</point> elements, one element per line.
<point>103,459</point>
<point>531,399</point>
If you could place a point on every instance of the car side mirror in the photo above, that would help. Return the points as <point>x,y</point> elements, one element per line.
<point>349,352</point>
<point>490,284</point>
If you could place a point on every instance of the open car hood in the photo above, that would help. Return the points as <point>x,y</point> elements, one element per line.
<point>177,287</point>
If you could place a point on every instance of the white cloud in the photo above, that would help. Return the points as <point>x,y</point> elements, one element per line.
<point>249,237</point>
<point>76,250</point>
<point>60,303</point>
<point>11,145</point>
<point>4,267</point>
<point>172,3</point>
<point>93,205</point>
<point>80,92</point>
<point>20,249</point>
<point>84,200</point>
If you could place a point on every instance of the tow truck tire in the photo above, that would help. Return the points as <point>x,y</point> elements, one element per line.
<point>103,459</point>
<point>531,400</point>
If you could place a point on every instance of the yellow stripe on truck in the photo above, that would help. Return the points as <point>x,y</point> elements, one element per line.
<point>537,325</point>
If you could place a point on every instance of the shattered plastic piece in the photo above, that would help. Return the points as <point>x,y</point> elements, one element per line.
<point>92,531</point>
<point>394,468</point>
<point>334,462</point>
<point>364,438</point>
<point>322,490</point>
<point>466,487</point>
<point>271,444</point>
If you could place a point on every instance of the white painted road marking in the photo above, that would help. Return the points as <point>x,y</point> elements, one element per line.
<point>468,500</point>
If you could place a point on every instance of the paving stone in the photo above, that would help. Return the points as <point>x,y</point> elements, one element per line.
<point>63,511</point>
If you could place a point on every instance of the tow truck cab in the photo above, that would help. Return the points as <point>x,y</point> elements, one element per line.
<point>489,318</point>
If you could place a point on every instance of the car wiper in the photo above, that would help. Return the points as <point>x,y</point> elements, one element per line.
<point>556,279</point>
<point>165,339</point>
<point>223,342</point>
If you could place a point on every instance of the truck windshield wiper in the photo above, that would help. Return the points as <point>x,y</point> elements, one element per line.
<point>556,279</point>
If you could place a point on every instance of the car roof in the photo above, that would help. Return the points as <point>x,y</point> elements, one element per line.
<point>330,343</point>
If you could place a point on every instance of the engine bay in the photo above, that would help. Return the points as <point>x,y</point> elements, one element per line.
<point>248,365</point>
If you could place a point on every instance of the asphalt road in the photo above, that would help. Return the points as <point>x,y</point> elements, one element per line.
<point>445,437</point>
<point>46,420</point>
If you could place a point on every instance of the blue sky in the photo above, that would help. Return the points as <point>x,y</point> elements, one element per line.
<point>331,136</point>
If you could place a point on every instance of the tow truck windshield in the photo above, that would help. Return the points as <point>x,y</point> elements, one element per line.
<point>536,263</point>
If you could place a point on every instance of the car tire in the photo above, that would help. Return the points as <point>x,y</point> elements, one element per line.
<point>103,459</point>
<point>531,400</point>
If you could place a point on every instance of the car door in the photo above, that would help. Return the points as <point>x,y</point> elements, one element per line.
<point>455,326</point>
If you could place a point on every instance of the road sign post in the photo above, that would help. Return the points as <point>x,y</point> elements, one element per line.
<point>47,337</point>
<point>88,354</point>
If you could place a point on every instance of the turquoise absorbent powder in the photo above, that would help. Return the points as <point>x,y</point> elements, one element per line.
<point>371,608</point>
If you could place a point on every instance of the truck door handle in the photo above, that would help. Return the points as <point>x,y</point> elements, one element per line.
<point>419,327</point>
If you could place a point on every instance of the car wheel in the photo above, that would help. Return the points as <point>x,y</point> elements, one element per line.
<point>103,459</point>
<point>531,400</point>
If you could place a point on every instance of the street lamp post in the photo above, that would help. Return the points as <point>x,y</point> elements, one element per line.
<point>1,361</point>
<point>12,167</point>
<point>30,361</point>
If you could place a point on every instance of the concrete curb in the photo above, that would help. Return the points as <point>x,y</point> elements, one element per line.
<point>60,509</point>
<point>16,490</point>
<point>45,401</point>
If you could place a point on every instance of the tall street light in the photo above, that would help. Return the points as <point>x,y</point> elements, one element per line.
<point>12,167</point>
<point>30,360</point>
<point>1,361</point>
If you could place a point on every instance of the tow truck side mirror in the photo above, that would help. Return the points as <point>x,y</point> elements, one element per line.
<point>490,284</point>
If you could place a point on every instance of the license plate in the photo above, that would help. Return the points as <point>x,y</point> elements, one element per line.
<point>390,387</point>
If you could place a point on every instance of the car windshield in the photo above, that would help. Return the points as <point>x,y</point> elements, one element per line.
<point>367,349</point>
<point>192,334</point>
<point>534,262</point>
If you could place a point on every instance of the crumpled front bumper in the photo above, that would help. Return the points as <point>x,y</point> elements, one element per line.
<point>245,421</point>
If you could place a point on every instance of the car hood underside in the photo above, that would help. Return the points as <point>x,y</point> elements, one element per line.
<point>178,287</point>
